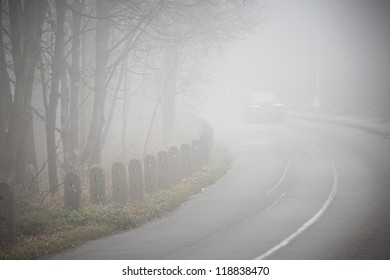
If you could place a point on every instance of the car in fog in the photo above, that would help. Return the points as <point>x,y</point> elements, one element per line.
<point>262,106</point>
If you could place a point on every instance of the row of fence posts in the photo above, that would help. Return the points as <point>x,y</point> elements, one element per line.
<point>166,169</point>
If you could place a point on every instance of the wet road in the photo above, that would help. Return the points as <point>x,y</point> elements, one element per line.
<point>296,190</point>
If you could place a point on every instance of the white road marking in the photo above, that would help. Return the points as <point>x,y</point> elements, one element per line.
<point>265,210</point>
<point>272,205</point>
<point>313,219</point>
<point>282,178</point>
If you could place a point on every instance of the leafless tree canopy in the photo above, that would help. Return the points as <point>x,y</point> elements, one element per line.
<point>87,81</point>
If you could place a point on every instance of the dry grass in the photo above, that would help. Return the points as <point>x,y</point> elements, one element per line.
<point>43,230</point>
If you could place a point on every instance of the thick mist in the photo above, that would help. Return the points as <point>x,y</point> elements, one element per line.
<point>336,49</point>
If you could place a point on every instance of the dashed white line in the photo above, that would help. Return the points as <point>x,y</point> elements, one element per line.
<point>281,179</point>
<point>313,219</point>
<point>272,205</point>
<point>265,210</point>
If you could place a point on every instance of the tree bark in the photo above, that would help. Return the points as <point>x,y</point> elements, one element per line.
<point>84,98</point>
<point>94,146</point>
<point>5,100</point>
<point>125,107</point>
<point>169,95</point>
<point>70,102</point>
<point>75,85</point>
<point>54,97</point>
<point>25,50</point>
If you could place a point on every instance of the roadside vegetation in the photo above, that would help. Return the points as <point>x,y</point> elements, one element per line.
<point>44,230</point>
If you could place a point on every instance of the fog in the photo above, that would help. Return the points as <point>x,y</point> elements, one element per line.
<point>297,93</point>
<point>120,89</point>
<point>339,49</point>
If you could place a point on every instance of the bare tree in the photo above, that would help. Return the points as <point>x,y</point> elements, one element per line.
<point>5,97</point>
<point>51,114</point>
<point>141,13</point>
<point>70,133</point>
<point>25,29</point>
<point>193,27</point>
<point>87,50</point>
<point>94,144</point>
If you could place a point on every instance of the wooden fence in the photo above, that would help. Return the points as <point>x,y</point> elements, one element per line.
<point>154,173</point>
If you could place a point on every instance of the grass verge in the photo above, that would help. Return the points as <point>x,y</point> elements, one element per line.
<point>42,231</point>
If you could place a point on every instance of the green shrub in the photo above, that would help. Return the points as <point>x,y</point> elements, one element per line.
<point>32,219</point>
<point>112,214</point>
<point>42,230</point>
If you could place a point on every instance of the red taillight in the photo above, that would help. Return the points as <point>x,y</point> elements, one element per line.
<point>278,104</point>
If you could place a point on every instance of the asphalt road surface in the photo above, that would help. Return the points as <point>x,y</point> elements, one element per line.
<point>296,190</point>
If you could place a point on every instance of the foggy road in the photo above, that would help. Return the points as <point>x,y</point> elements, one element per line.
<point>98,97</point>
<point>296,190</point>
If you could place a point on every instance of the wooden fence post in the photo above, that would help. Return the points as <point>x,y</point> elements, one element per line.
<point>118,187</point>
<point>150,174</point>
<point>135,181</point>
<point>174,166</point>
<point>196,156</point>
<point>72,191</point>
<point>97,186</point>
<point>162,170</point>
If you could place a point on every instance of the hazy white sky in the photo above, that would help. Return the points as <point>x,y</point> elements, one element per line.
<point>280,56</point>
<point>282,45</point>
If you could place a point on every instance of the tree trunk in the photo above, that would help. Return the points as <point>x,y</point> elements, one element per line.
<point>125,107</point>
<point>112,108</point>
<point>75,84</point>
<point>94,147</point>
<point>5,100</point>
<point>169,94</point>
<point>84,98</point>
<point>65,125</point>
<point>54,97</point>
<point>70,118</point>
<point>25,50</point>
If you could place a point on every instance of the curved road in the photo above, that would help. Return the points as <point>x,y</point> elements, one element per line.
<point>296,190</point>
